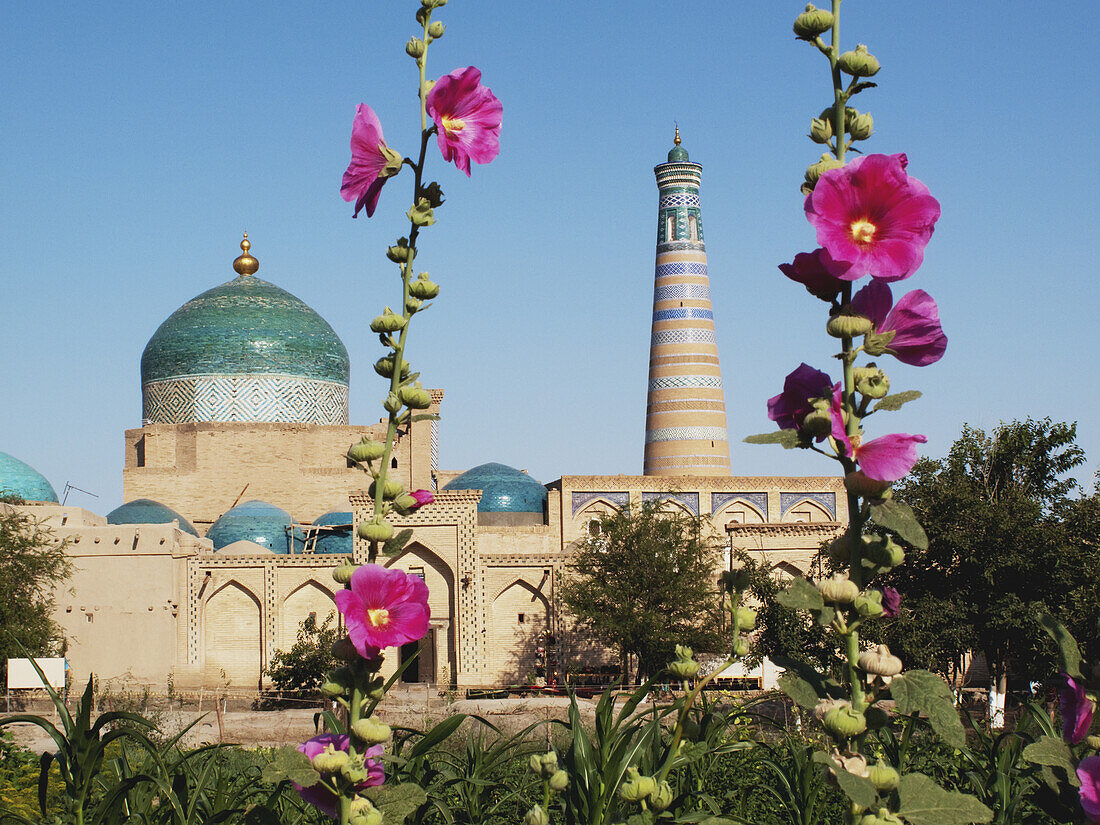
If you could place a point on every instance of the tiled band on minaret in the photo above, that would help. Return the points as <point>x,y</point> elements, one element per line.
<point>685,426</point>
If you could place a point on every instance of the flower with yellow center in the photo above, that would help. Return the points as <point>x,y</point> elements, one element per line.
<point>379,617</point>
<point>452,124</point>
<point>863,231</point>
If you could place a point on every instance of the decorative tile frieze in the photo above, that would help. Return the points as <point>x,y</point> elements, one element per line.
<point>619,499</point>
<point>253,398</point>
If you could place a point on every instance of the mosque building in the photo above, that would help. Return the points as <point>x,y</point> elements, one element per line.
<point>240,498</point>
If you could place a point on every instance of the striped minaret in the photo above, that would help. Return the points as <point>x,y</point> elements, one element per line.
<point>685,424</point>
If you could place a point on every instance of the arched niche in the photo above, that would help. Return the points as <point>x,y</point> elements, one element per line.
<point>438,648</point>
<point>310,597</point>
<point>739,511</point>
<point>786,571</point>
<point>806,511</point>
<point>232,637</point>
<point>519,627</point>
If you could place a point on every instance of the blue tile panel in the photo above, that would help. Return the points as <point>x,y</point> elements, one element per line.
<point>256,521</point>
<point>620,499</point>
<point>789,500</point>
<point>271,398</point>
<point>147,511</point>
<point>686,434</point>
<point>335,541</point>
<point>689,500</point>
<point>245,327</point>
<point>23,481</point>
<point>681,292</point>
<point>681,313</point>
<point>504,489</point>
<point>758,500</point>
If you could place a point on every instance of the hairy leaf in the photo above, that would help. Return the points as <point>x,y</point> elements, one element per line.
<point>897,400</point>
<point>801,691</point>
<point>920,691</point>
<point>859,789</point>
<point>396,545</point>
<point>1069,655</point>
<point>396,801</point>
<point>1052,752</point>
<point>788,439</point>
<point>290,764</point>
<point>923,802</point>
<point>801,595</point>
<point>897,516</point>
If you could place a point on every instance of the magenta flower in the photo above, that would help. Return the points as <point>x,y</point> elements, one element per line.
<point>1077,710</point>
<point>886,458</point>
<point>915,321</point>
<point>872,218</point>
<point>800,389</point>
<point>372,162</point>
<point>467,118</point>
<point>384,608</point>
<point>891,602</point>
<point>321,797</point>
<point>1088,771</point>
<point>809,270</point>
<point>422,497</point>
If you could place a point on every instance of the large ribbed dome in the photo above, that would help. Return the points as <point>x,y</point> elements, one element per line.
<point>504,489</point>
<point>147,511</point>
<point>23,481</point>
<point>245,351</point>
<point>258,522</point>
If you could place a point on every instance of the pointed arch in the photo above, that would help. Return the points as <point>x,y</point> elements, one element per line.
<point>308,597</point>
<point>518,631</point>
<point>806,510</point>
<point>752,512</point>
<point>421,560</point>
<point>232,636</point>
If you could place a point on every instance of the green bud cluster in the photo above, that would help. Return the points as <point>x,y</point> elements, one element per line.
<point>838,589</point>
<point>423,288</point>
<point>415,397</point>
<point>371,731</point>
<point>415,48</point>
<point>388,321</point>
<point>401,253</point>
<point>385,366</point>
<point>815,170</point>
<point>376,530</point>
<point>846,324</point>
<point>536,816</point>
<point>390,489</point>
<point>343,573</point>
<point>637,788</point>
<point>330,760</point>
<point>844,721</point>
<point>684,667</point>
<point>436,29</point>
<point>363,812</point>
<point>812,22</point>
<point>366,449</point>
<point>543,765</point>
<point>871,381</point>
<point>858,63</point>
<point>879,661</point>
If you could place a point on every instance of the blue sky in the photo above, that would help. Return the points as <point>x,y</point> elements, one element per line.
<point>138,141</point>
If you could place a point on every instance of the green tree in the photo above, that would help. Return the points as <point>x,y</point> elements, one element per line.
<point>33,565</point>
<point>645,581</point>
<point>302,669</point>
<point>1005,541</point>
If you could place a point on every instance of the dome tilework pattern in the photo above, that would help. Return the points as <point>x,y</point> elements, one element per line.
<point>335,542</point>
<point>147,511</point>
<point>504,489</point>
<point>23,481</point>
<point>255,521</point>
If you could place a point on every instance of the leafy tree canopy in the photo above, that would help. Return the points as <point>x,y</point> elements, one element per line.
<point>302,669</point>
<point>645,582</point>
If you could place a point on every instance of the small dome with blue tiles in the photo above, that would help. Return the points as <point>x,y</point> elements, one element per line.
<point>258,522</point>
<point>23,481</point>
<point>245,351</point>
<point>147,511</point>
<point>504,489</point>
<point>335,541</point>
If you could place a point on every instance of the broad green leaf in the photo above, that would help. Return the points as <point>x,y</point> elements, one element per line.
<point>920,691</point>
<point>826,616</point>
<point>290,764</point>
<point>801,691</point>
<point>437,735</point>
<point>423,417</point>
<point>396,801</point>
<point>788,439</point>
<point>859,789</point>
<point>801,595</point>
<point>896,516</point>
<point>895,401</point>
<point>1053,752</point>
<point>923,802</point>
<point>395,545</point>
<point>826,688</point>
<point>1069,655</point>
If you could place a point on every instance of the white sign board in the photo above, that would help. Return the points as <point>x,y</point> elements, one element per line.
<point>22,676</point>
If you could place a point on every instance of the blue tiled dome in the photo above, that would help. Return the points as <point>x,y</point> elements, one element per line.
<point>335,542</point>
<point>147,511</point>
<point>504,489</point>
<point>255,521</point>
<point>23,481</point>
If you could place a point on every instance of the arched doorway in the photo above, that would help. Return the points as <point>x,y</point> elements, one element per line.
<point>232,642</point>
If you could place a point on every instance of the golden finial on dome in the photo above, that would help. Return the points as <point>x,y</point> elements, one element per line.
<point>245,264</point>
<point>676,139</point>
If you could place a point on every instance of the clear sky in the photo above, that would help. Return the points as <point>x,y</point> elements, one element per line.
<point>139,139</point>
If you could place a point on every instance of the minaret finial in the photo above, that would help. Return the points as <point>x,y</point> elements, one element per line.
<point>245,264</point>
<point>676,139</point>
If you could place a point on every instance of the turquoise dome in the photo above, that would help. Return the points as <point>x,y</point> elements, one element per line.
<point>504,489</point>
<point>23,481</point>
<point>255,521</point>
<point>246,326</point>
<point>147,511</point>
<point>678,154</point>
<point>335,542</point>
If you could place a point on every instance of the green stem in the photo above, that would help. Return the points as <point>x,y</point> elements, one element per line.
<point>678,731</point>
<point>839,98</point>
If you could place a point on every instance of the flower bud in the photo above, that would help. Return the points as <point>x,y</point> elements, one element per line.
<point>860,484</point>
<point>740,646</point>
<point>815,170</point>
<point>330,760</point>
<point>817,423</point>
<point>548,764</point>
<point>845,722</point>
<point>384,366</point>
<point>883,817</point>
<point>883,552</point>
<point>858,63</point>
<point>415,48</point>
<point>376,530</point>
<point>391,403</point>
<point>848,325</point>
<point>344,649</point>
<point>826,705</point>
<point>376,690</point>
<point>812,22</point>
<point>536,816</point>
<point>343,573</point>
<point>415,397</point>
<point>534,764</point>
<point>436,29</point>
<point>661,798</point>
<point>400,253</point>
<point>363,812</point>
<point>366,449</point>
<point>636,788</point>
<point>746,618</point>
<point>421,214</point>
<point>871,382</point>
<point>355,771</point>
<point>388,321</point>
<point>868,605</point>
<point>559,781</point>
<point>683,669</point>
<point>423,288</point>
<point>331,690</point>
<point>883,776</point>
<point>839,550</point>
<point>412,305</point>
<point>371,731</point>
<point>879,661</point>
<point>861,126</point>
<point>1092,742</point>
<point>821,130</point>
<point>390,489</point>
<point>838,589</point>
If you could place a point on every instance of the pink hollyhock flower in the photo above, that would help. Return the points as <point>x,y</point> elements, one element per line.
<point>422,497</point>
<point>886,458</point>
<point>891,602</point>
<point>321,797</point>
<point>384,608</point>
<point>1088,771</point>
<point>1077,710</point>
<point>872,218</point>
<point>915,321</point>
<point>808,269</point>
<point>467,118</point>
<point>370,158</point>
<point>800,389</point>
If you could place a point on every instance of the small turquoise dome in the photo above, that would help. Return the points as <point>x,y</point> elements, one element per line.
<point>677,154</point>
<point>504,489</point>
<point>255,521</point>
<point>23,481</point>
<point>335,541</point>
<point>147,511</point>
